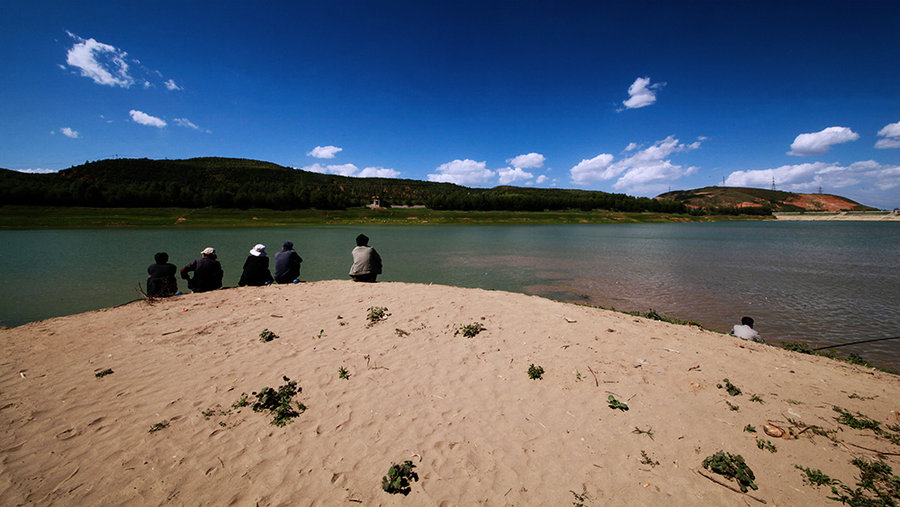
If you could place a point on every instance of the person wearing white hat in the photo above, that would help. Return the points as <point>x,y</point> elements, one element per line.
<point>256,268</point>
<point>207,272</point>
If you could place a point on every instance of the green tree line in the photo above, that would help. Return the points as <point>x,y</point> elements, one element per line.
<point>242,183</point>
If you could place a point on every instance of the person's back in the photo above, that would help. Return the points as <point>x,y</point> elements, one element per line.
<point>287,264</point>
<point>745,330</point>
<point>207,272</point>
<point>256,268</point>
<point>161,277</point>
<point>366,261</point>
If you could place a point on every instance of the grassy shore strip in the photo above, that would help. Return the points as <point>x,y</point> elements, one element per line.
<point>36,217</point>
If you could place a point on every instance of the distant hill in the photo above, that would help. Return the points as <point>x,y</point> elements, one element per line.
<point>243,183</point>
<point>717,199</point>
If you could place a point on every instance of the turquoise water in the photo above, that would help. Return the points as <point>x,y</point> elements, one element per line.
<point>820,282</point>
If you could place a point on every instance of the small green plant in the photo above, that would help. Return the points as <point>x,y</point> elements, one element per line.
<point>279,403</point>
<point>398,477</point>
<point>470,330</point>
<point>208,413</point>
<point>579,499</point>
<point>876,485</point>
<point>731,388</point>
<point>242,402</point>
<point>645,460</point>
<point>800,347</point>
<point>401,333</point>
<point>855,396</point>
<point>756,398</point>
<point>766,444</point>
<point>732,406</point>
<point>377,313</point>
<point>267,336</point>
<point>159,426</point>
<point>857,359</point>
<point>321,333</point>
<point>749,429</point>
<point>858,421</point>
<point>815,478</point>
<point>733,467</point>
<point>343,373</point>
<point>535,372</point>
<point>101,374</point>
<point>616,404</point>
<point>577,375</point>
<point>861,422</point>
<point>648,431</point>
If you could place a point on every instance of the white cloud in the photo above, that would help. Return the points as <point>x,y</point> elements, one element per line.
<point>315,168</point>
<point>817,143</point>
<point>103,63</point>
<point>593,170</point>
<point>343,169</point>
<point>378,172</point>
<point>184,122</point>
<point>37,171</point>
<point>66,131</point>
<point>891,136</point>
<point>462,172</point>
<point>510,175</point>
<point>146,119</point>
<point>527,161</point>
<point>631,147</point>
<point>170,85</point>
<point>809,177</point>
<point>639,171</point>
<point>641,93</point>
<point>541,179</point>
<point>324,151</point>
<point>352,170</point>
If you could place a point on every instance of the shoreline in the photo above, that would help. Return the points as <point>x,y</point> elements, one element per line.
<point>462,409</point>
<point>841,216</point>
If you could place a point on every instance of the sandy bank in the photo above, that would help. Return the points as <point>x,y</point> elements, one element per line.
<point>840,217</point>
<point>463,410</point>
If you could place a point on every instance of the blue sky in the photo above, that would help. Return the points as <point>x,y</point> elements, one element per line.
<point>633,97</point>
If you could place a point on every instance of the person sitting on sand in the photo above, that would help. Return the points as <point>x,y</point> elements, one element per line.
<point>745,330</point>
<point>366,261</point>
<point>161,281</point>
<point>207,272</point>
<point>287,264</point>
<point>256,268</point>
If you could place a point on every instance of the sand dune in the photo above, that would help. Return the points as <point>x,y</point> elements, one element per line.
<point>463,410</point>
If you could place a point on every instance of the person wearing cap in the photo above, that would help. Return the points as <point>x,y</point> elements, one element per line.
<point>287,264</point>
<point>207,272</point>
<point>256,268</point>
<point>366,261</point>
<point>161,282</point>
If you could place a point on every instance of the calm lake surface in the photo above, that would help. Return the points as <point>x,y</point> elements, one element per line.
<point>823,283</point>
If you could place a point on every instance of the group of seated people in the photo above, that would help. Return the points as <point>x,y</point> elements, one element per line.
<point>208,273</point>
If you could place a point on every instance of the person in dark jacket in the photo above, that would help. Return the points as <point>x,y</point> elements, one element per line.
<point>161,281</point>
<point>366,261</point>
<point>256,268</point>
<point>287,264</point>
<point>207,272</point>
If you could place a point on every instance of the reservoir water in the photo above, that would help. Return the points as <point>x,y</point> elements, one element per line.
<point>822,283</point>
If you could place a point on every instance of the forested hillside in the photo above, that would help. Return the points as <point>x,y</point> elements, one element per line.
<point>241,183</point>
